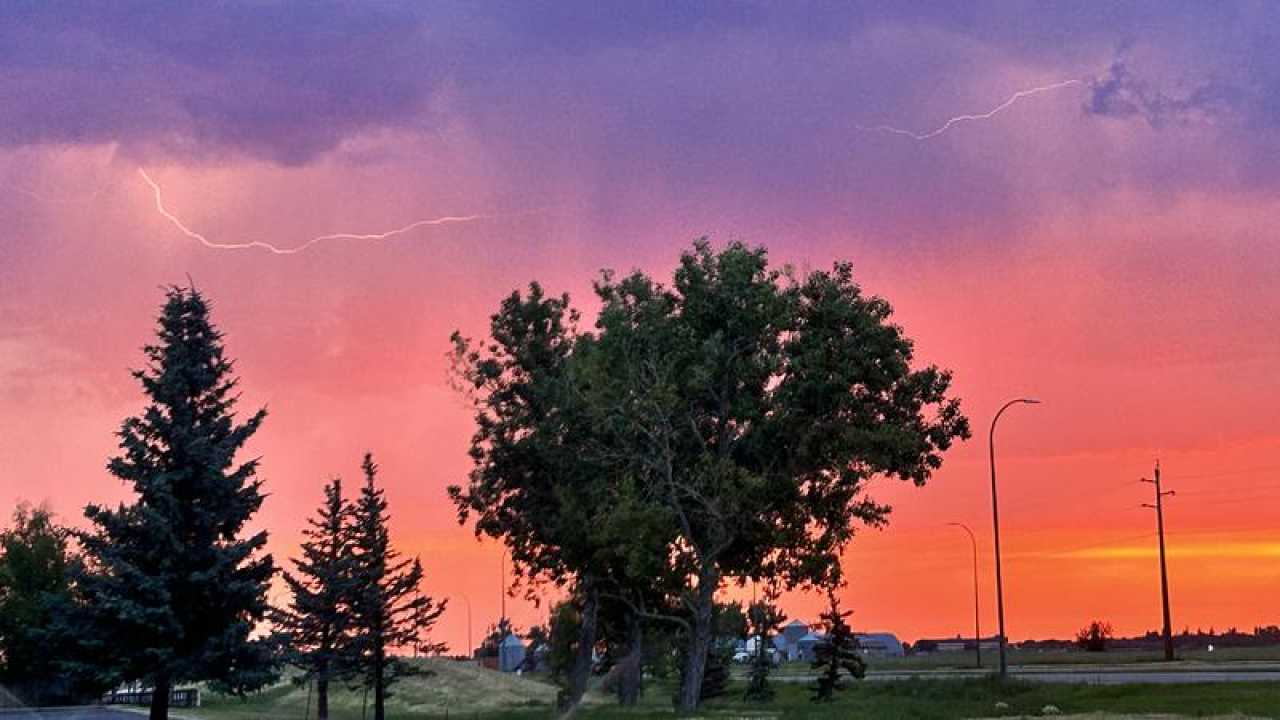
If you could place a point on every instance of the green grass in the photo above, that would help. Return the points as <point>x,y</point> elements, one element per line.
<point>451,686</point>
<point>917,699</point>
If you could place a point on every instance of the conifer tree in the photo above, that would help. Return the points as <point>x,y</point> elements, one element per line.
<point>172,591</point>
<point>388,611</point>
<point>765,617</point>
<point>316,620</point>
<point>837,652</point>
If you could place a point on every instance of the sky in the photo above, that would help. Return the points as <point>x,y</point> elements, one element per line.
<point>1076,202</point>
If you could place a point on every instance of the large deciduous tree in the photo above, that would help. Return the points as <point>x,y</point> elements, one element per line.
<point>321,588</point>
<point>173,591</point>
<point>532,485</point>
<point>724,427</point>
<point>755,407</point>
<point>388,609</point>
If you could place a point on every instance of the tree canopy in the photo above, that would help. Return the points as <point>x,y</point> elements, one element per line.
<point>35,559</point>
<point>723,427</point>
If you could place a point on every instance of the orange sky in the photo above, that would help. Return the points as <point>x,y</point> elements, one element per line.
<point>1120,267</point>
<point>346,349</point>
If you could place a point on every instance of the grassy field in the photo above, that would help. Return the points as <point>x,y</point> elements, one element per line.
<point>451,687</point>
<point>464,692</point>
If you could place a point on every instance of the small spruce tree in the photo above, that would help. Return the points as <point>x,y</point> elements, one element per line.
<point>316,621</point>
<point>764,617</point>
<point>172,592</point>
<point>837,652</point>
<point>715,679</point>
<point>388,611</point>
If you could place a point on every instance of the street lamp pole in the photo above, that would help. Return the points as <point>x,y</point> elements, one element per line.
<point>977,629</point>
<point>470,649</point>
<point>995,520</point>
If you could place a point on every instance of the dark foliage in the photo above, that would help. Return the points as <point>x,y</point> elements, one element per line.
<point>35,593</point>
<point>171,590</point>
<point>765,617</point>
<point>321,589</point>
<point>1094,636</point>
<point>837,654</point>
<point>724,426</point>
<point>388,609</point>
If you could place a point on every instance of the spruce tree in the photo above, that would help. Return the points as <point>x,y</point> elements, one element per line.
<point>388,610</point>
<point>316,621</point>
<point>172,591</point>
<point>837,652</point>
<point>765,617</point>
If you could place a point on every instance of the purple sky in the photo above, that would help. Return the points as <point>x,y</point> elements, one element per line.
<point>1107,241</point>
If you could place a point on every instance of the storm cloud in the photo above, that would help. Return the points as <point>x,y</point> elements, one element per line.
<point>604,94</point>
<point>279,81</point>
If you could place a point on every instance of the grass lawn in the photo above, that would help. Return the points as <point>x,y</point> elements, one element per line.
<point>920,699</point>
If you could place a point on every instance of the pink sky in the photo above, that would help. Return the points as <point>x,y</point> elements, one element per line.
<point>1118,265</point>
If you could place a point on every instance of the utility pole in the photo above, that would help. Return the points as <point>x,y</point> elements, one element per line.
<point>1164,573</point>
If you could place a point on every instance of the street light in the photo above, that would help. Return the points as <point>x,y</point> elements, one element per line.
<point>977,630</point>
<point>995,520</point>
<point>470,649</point>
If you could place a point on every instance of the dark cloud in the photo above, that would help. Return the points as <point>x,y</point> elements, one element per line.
<point>1120,93</point>
<point>760,96</point>
<point>283,81</point>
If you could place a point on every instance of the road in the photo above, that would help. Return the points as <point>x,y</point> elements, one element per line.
<point>1119,677</point>
<point>79,713</point>
<point>1095,674</point>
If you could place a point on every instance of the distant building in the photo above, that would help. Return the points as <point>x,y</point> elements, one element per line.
<point>955,644</point>
<point>796,643</point>
<point>510,653</point>
<point>806,647</point>
<point>787,641</point>
<point>880,644</point>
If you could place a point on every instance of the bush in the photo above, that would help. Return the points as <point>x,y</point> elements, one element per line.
<point>1094,636</point>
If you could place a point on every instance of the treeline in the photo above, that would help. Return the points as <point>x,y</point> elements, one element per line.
<point>722,428</point>
<point>1187,639</point>
<point>172,588</point>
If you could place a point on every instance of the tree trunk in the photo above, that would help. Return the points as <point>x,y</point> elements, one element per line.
<point>695,665</point>
<point>322,695</point>
<point>379,686</point>
<point>580,673</point>
<point>630,679</point>
<point>160,697</point>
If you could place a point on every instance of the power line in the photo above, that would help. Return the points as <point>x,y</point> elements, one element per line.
<point>1048,499</point>
<point>1091,546</point>
<point>1227,473</point>
<point>1217,490</point>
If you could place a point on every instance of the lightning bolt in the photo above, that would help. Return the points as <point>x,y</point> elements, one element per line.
<point>970,118</point>
<point>274,250</point>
